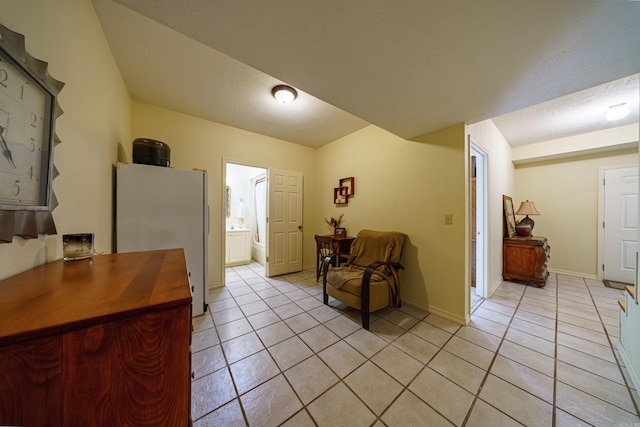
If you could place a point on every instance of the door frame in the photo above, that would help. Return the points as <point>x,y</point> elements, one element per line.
<point>601,189</point>
<point>223,218</point>
<point>482,214</point>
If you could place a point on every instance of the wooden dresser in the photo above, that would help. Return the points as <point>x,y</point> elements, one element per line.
<point>97,342</point>
<point>525,259</point>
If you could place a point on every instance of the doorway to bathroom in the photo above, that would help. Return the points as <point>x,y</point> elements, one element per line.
<point>245,214</point>
<point>263,218</point>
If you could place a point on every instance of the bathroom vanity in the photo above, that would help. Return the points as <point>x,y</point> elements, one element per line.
<point>238,247</point>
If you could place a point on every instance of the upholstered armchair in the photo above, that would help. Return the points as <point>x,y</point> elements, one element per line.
<point>370,280</point>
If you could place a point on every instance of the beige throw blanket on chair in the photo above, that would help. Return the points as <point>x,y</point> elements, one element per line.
<point>368,247</point>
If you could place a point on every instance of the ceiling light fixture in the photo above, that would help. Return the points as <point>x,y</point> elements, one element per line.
<point>617,112</point>
<point>284,94</point>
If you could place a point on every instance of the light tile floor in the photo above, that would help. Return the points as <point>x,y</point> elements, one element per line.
<point>269,353</point>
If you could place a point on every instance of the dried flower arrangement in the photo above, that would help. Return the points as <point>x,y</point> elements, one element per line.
<point>333,222</point>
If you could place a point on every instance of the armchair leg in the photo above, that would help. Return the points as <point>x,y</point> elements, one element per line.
<point>325,295</point>
<point>365,297</point>
<point>365,318</point>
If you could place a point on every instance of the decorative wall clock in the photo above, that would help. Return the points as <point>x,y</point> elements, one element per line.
<point>28,111</point>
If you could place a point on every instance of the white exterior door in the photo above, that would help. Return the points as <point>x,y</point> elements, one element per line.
<point>284,222</point>
<point>620,224</point>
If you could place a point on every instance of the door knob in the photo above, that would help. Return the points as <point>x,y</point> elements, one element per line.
<point>300,227</point>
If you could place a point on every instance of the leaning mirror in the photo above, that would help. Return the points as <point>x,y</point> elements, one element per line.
<point>509,217</point>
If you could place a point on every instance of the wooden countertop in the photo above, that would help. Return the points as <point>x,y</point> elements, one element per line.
<point>64,295</point>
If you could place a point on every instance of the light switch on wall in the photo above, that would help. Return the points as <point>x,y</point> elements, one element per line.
<point>448,219</point>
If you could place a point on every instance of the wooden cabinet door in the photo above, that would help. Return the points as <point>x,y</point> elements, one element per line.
<point>31,385</point>
<point>138,369</point>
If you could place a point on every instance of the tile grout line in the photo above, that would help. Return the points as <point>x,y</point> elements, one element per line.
<point>228,369</point>
<point>611,346</point>
<point>390,343</point>
<point>226,360</point>
<point>488,372</point>
<point>602,324</point>
<point>281,372</point>
<point>426,365</point>
<point>369,359</point>
<point>405,388</point>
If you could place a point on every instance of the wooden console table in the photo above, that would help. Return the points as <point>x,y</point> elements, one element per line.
<point>525,259</point>
<point>102,341</point>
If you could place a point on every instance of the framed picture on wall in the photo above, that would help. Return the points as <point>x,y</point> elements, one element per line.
<point>509,216</point>
<point>339,198</point>
<point>347,186</point>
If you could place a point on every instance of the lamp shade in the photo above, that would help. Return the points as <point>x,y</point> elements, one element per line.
<point>527,208</point>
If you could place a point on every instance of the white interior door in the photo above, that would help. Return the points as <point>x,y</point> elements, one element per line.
<point>284,222</point>
<point>620,223</point>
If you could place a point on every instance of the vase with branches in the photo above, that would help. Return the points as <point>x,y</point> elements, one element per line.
<point>333,223</point>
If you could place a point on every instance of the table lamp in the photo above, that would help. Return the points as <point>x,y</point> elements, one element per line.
<point>525,226</point>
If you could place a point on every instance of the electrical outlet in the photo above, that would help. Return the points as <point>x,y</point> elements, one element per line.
<point>448,219</point>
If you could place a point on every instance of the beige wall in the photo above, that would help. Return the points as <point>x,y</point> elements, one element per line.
<point>198,143</point>
<point>565,193</point>
<point>406,186</point>
<point>67,35</point>
<point>500,176</point>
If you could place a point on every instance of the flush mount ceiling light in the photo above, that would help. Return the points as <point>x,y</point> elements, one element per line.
<point>284,94</point>
<point>617,112</point>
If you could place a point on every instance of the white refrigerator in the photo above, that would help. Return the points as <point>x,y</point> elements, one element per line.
<point>164,208</point>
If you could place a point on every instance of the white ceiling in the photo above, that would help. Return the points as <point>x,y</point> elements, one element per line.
<point>573,114</point>
<point>409,67</point>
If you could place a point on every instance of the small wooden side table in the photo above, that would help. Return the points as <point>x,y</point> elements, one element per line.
<point>340,244</point>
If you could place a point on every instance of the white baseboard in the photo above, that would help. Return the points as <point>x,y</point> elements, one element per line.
<point>448,315</point>
<point>438,311</point>
<point>414,303</point>
<point>493,287</point>
<point>573,273</point>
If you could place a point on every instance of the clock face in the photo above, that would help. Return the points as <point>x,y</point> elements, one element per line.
<point>25,143</point>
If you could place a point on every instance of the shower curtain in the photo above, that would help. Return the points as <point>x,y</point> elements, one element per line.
<point>260,197</point>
